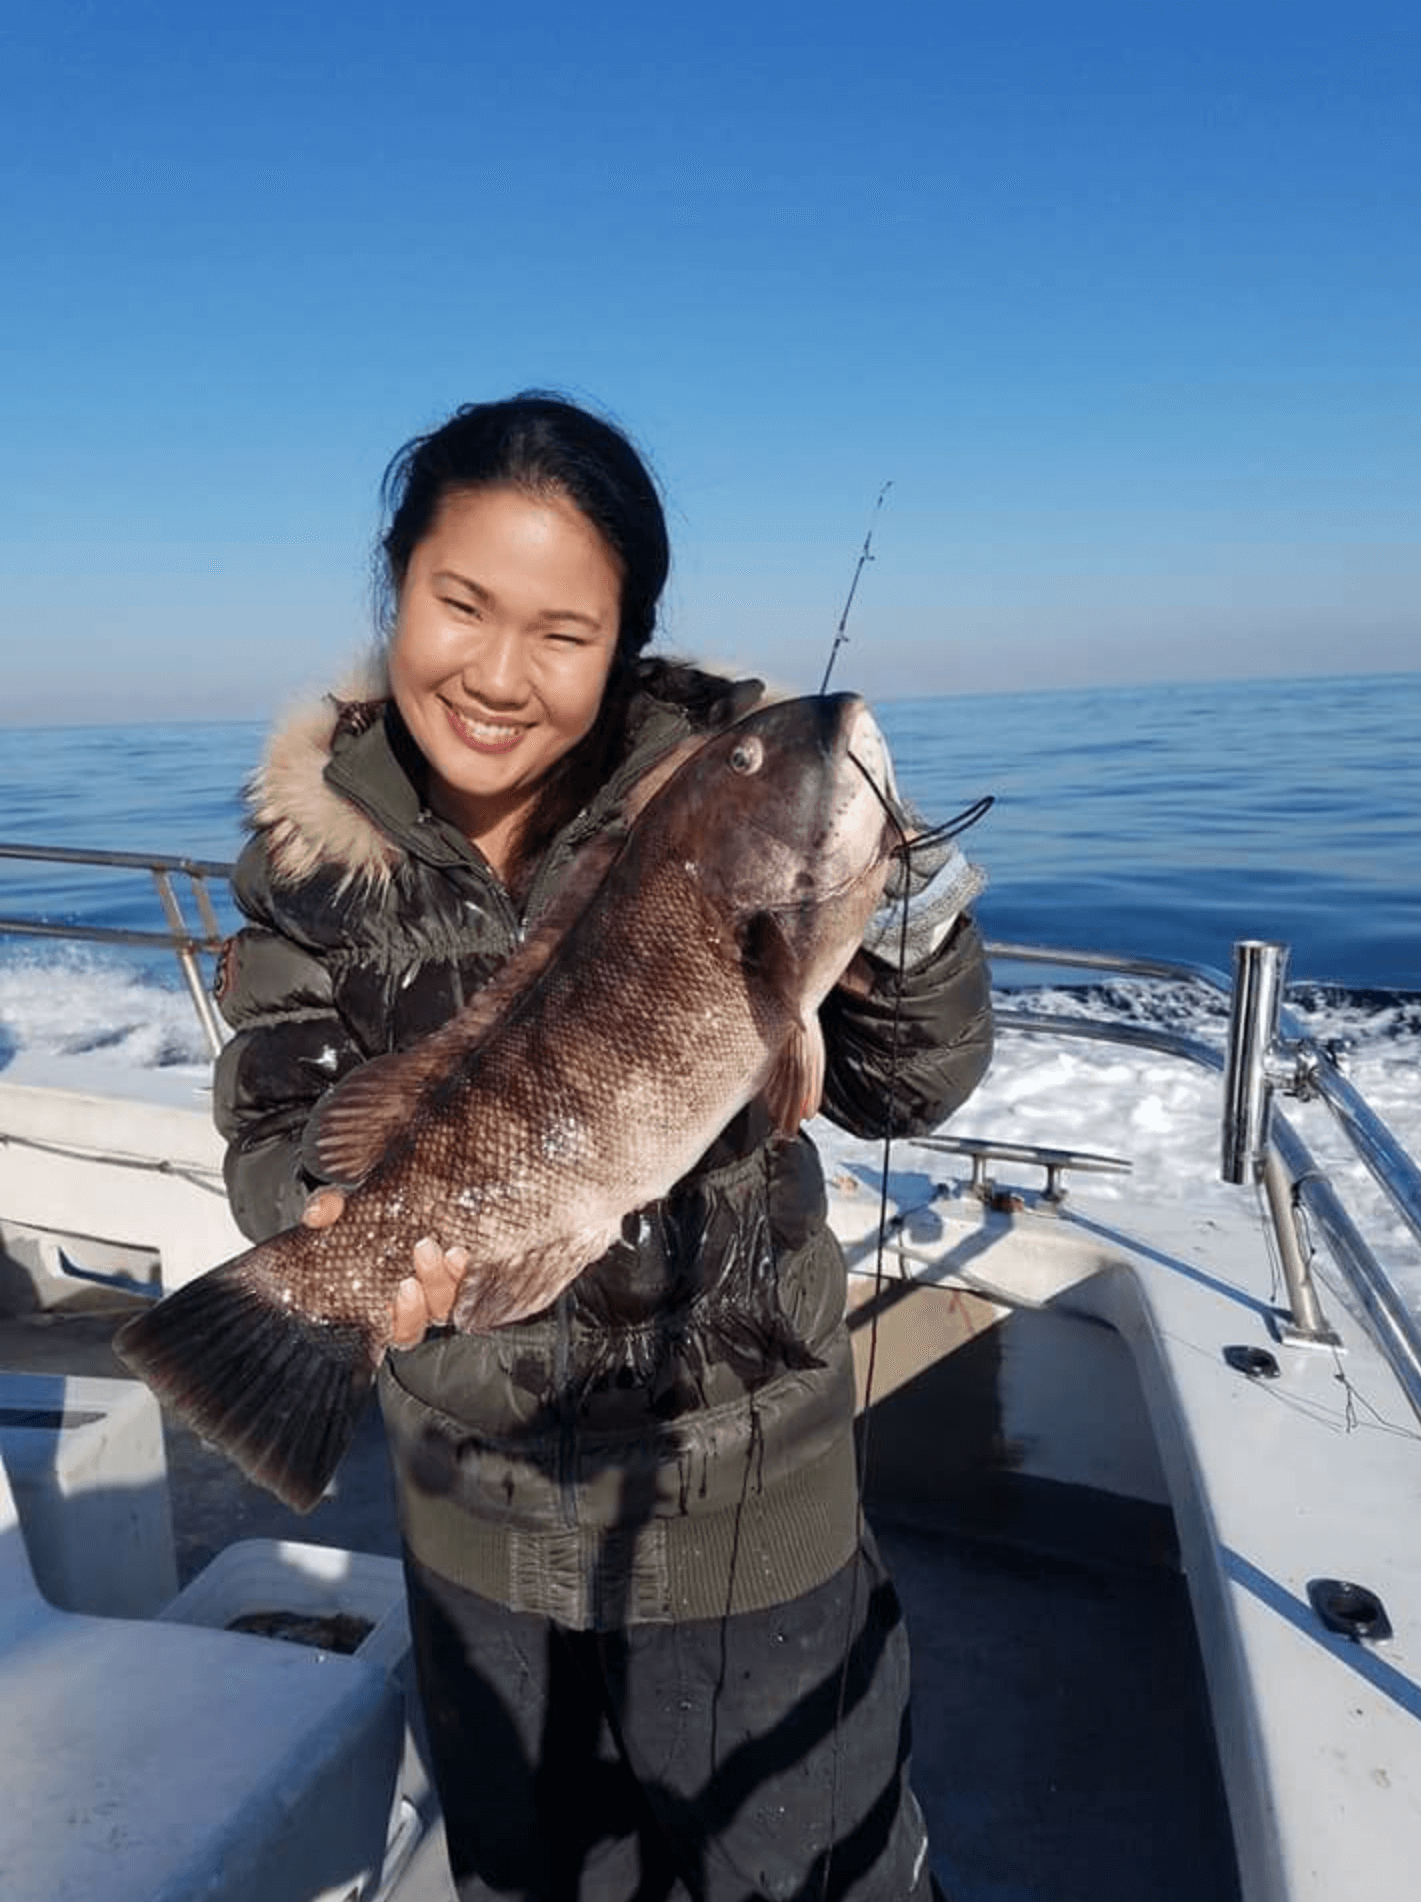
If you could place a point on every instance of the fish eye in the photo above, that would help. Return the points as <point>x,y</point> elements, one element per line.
<point>747,755</point>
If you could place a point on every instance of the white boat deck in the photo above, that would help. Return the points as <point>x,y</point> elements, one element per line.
<point>1103,1532</point>
<point>1273,1483</point>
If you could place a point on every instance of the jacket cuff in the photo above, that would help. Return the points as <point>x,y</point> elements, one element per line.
<point>910,928</point>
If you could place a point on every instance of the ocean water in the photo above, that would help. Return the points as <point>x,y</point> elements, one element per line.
<point>1159,821</point>
<point>1170,821</point>
<point>1164,821</point>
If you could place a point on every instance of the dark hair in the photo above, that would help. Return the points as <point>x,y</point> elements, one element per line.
<point>543,444</point>
<point>540,443</point>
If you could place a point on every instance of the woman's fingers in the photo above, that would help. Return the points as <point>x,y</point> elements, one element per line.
<point>426,1298</point>
<point>423,1299</point>
<point>439,1273</point>
<point>409,1314</point>
<point>323,1208</point>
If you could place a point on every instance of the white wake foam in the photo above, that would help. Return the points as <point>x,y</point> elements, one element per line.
<point>86,1013</point>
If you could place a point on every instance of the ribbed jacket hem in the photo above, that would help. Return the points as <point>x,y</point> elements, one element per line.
<point>775,1543</point>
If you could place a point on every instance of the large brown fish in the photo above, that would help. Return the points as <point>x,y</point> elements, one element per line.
<point>670,986</point>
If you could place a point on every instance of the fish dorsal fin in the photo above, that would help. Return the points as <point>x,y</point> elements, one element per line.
<point>796,1084</point>
<point>359,1119</point>
<point>355,1121</point>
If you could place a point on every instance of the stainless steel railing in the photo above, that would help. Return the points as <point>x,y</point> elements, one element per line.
<point>1265,1055</point>
<point>1297,1065</point>
<point>184,943</point>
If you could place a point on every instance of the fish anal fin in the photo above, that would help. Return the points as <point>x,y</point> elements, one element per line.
<point>277,1392</point>
<point>533,1281</point>
<point>795,1086</point>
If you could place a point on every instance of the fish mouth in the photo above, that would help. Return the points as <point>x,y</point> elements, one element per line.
<point>824,896</point>
<point>858,828</point>
<point>863,743</point>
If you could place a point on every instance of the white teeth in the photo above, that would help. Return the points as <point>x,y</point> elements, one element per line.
<point>485,729</point>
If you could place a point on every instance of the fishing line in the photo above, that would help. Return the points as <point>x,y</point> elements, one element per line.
<point>1357,1399</point>
<point>1354,1398</point>
<point>950,829</point>
<point>725,1616</point>
<point>1271,1246</point>
<point>895,1023</point>
<point>936,836</point>
<point>147,1165</point>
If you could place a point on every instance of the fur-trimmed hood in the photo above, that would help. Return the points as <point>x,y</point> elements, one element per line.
<point>330,792</point>
<point>307,822</point>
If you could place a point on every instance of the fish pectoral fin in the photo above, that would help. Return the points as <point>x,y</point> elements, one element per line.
<point>796,1084</point>
<point>857,976</point>
<point>767,952</point>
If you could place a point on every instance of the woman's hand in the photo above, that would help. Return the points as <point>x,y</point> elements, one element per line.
<point>423,1299</point>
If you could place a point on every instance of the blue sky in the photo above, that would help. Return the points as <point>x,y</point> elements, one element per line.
<point>1122,298</point>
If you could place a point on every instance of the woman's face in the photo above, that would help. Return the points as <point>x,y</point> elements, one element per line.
<point>504,639</point>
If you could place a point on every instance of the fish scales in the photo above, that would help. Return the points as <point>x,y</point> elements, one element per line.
<point>575,1113</point>
<point>602,1063</point>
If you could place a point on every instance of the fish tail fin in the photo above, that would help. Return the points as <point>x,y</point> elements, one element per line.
<point>277,1392</point>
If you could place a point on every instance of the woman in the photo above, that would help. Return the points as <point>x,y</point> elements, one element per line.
<point>657,1653</point>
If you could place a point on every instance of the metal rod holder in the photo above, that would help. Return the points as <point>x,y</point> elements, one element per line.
<point>1259,971</point>
<point>1306,1325</point>
<point>1252,1070</point>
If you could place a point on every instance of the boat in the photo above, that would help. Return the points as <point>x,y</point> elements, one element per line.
<point>1143,1451</point>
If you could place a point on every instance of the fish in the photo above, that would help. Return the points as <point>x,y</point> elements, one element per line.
<point>675,979</point>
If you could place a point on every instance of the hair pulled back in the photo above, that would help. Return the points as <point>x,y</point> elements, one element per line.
<point>542,444</point>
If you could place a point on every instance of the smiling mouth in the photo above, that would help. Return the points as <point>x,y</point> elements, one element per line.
<point>485,736</point>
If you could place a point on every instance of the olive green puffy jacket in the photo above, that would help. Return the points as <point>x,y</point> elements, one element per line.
<point>672,1439</point>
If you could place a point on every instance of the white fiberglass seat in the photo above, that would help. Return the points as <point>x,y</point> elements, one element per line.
<point>157,1762</point>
